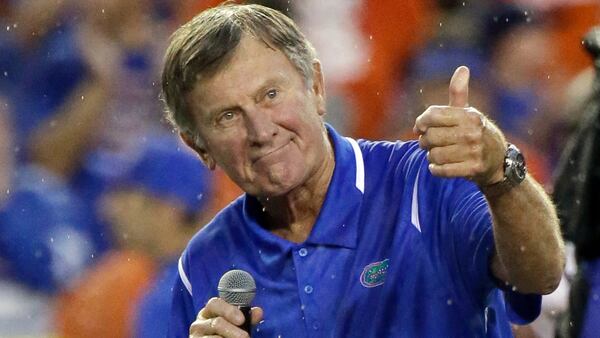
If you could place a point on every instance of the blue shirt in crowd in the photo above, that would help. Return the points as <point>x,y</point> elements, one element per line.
<point>394,252</point>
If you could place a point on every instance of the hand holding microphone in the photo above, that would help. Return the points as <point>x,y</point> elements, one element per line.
<point>229,315</point>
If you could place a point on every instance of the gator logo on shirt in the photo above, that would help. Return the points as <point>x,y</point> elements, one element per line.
<point>374,274</point>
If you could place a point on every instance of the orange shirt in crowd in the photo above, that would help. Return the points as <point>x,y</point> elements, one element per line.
<point>103,302</point>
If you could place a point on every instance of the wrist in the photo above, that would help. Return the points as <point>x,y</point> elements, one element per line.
<point>513,173</point>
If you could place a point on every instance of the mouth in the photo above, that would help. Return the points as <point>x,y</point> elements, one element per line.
<point>270,152</point>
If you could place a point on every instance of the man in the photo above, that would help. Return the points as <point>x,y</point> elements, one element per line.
<point>347,238</point>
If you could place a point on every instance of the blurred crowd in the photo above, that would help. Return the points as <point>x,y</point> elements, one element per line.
<point>98,195</point>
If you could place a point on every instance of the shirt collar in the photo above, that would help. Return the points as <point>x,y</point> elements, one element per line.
<point>337,222</point>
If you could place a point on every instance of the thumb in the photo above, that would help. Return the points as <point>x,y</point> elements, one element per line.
<point>459,87</point>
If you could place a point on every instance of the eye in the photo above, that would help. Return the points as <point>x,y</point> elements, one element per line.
<point>271,94</point>
<point>226,117</point>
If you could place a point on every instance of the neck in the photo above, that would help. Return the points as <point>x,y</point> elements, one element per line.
<point>293,215</point>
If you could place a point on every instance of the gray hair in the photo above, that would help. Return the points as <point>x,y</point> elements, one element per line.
<point>204,44</point>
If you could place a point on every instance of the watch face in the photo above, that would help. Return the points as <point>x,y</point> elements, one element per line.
<point>520,168</point>
<point>515,168</point>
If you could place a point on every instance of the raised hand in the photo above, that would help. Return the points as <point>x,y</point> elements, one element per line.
<point>460,141</point>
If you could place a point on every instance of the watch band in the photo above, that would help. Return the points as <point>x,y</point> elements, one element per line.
<point>498,188</point>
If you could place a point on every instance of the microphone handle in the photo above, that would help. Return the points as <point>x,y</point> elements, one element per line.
<point>247,326</point>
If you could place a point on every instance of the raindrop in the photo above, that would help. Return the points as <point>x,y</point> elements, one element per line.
<point>258,329</point>
<point>526,12</point>
<point>522,248</point>
<point>506,20</point>
<point>302,307</point>
<point>68,236</point>
<point>15,25</point>
<point>578,201</point>
<point>441,45</point>
<point>449,302</point>
<point>571,324</point>
<point>421,91</point>
<point>528,19</point>
<point>8,191</point>
<point>260,252</point>
<point>548,76</point>
<point>51,239</point>
<point>440,24</point>
<point>595,296</point>
<point>102,10</point>
<point>199,197</point>
<point>530,131</point>
<point>7,28</point>
<point>5,74</point>
<point>514,289</point>
<point>553,312</point>
<point>370,37</point>
<point>82,97</point>
<point>92,255</point>
<point>264,209</point>
<point>278,336</point>
<point>464,4</point>
<point>343,225</point>
<point>53,123</point>
<point>368,60</point>
<point>333,276</point>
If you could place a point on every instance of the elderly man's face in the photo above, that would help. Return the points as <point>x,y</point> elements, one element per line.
<point>260,122</point>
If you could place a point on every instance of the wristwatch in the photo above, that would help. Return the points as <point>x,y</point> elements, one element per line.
<point>515,171</point>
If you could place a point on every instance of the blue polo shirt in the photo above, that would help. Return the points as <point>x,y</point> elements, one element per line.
<point>394,252</point>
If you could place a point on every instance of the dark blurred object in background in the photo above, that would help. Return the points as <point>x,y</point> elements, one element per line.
<point>577,198</point>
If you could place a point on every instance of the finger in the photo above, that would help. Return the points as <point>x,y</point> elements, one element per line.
<point>217,307</point>
<point>216,326</point>
<point>459,87</point>
<point>257,315</point>
<point>462,169</point>
<point>452,154</point>
<point>437,116</point>
<point>439,137</point>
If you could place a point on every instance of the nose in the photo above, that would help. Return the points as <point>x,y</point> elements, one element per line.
<point>260,127</point>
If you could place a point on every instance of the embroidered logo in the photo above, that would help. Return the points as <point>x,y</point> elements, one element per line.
<point>374,274</point>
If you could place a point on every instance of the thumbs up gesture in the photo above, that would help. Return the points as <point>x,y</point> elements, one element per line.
<point>460,141</point>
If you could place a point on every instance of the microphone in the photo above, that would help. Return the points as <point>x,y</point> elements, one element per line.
<point>237,287</point>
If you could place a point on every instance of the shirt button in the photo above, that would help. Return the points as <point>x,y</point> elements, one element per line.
<point>303,252</point>
<point>316,326</point>
<point>308,289</point>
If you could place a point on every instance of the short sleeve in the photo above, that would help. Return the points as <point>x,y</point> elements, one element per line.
<point>474,247</point>
<point>182,311</point>
<point>472,239</point>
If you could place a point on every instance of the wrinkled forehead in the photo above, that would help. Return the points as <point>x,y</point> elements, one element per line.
<point>252,65</point>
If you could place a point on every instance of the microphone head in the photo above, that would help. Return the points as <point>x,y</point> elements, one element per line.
<point>237,287</point>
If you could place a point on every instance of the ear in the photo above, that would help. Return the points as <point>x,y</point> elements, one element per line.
<point>208,161</point>
<point>318,87</point>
